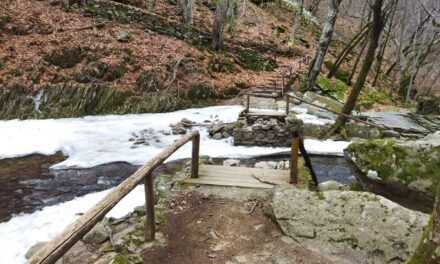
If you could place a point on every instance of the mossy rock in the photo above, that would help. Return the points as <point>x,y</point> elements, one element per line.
<point>414,165</point>
<point>253,60</point>
<point>332,87</point>
<point>66,57</point>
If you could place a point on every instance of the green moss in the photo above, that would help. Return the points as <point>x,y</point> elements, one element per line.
<point>370,97</point>
<point>393,161</point>
<point>121,259</point>
<point>333,87</point>
<point>320,195</point>
<point>253,60</point>
<point>340,74</point>
<point>425,252</point>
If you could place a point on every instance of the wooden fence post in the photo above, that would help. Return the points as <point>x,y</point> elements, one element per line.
<point>294,159</point>
<point>195,156</point>
<point>248,102</point>
<point>150,222</point>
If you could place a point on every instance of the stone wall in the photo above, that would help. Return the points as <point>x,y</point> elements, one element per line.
<point>265,130</point>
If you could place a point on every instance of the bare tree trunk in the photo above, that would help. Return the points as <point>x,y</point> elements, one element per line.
<point>324,43</point>
<point>187,12</point>
<point>376,31</point>
<point>350,46</point>
<point>358,59</point>
<point>381,53</point>
<point>429,245</point>
<point>219,24</point>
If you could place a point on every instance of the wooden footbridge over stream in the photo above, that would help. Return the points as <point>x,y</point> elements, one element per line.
<point>204,174</point>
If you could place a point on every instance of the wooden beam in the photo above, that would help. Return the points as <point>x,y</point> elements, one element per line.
<point>56,248</point>
<point>195,156</point>
<point>294,159</point>
<point>150,222</point>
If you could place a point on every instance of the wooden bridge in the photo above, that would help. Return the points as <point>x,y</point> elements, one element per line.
<point>212,175</point>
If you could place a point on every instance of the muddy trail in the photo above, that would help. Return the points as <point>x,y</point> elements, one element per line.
<point>208,229</point>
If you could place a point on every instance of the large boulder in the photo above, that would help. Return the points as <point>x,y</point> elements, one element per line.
<point>405,168</point>
<point>352,227</point>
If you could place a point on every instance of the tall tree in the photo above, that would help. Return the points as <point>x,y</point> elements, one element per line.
<point>223,12</point>
<point>187,6</point>
<point>376,30</point>
<point>324,43</point>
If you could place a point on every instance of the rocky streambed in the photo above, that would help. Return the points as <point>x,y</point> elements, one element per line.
<point>28,184</point>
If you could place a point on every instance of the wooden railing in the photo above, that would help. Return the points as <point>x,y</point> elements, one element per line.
<point>56,248</point>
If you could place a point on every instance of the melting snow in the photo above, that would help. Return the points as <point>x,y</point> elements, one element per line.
<point>94,140</point>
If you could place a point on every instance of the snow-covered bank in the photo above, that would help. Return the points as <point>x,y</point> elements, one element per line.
<point>23,231</point>
<point>91,141</point>
<point>96,140</point>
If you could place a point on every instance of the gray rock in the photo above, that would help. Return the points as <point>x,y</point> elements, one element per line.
<point>99,234</point>
<point>332,186</point>
<point>34,249</point>
<point>391,133</point>
<point>266,165</point>
<point>359,227</point>
<point>123,36</point>
<point>231,163</point>
<point>217,136</point>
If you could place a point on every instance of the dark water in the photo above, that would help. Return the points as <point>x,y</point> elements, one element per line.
<point>326,167</point>
<point>28,184</point>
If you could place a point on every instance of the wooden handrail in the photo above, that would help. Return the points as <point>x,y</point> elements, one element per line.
<point>56,248</point>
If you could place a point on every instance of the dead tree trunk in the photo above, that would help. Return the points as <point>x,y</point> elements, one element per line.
<point>187,12</point>
<point>376,31</point>
<point>219,24</point>
<point>324,43</point>
<point>429,245</point>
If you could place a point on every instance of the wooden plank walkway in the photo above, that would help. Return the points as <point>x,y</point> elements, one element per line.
<point>240,177</point>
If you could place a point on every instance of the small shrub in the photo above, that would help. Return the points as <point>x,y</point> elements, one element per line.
<point>66,57</point>
<point>370,97</point>
<point>221,64</point>
<point>149,81</point>
<point>201,91</point>
<point>252,60</point>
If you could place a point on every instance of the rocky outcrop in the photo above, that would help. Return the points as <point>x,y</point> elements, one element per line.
<point>354,227</point>
<point>406,168</point>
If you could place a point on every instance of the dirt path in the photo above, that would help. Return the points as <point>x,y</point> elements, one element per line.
<point>204,229</point>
